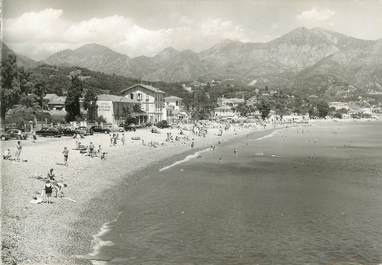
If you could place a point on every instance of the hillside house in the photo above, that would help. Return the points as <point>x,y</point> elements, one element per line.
<point>55,102</point>
<point>174,109</point>
<point>231,102</point>
<point>150,99</point>
<point>115,109</point>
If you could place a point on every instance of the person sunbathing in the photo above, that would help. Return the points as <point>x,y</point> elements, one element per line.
<point>7,155</point>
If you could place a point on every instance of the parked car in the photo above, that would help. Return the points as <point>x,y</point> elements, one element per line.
<point>13,134</point>
<point>100,129</point>
<point>115,128</point>
<point>131,127</point>
<point>83,130</point>
<point>162,124</point>
<point>53,132</point>
<point>68,131</point>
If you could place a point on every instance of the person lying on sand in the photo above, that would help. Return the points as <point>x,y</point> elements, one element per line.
<point>7,155</point>
<point>59,188</point>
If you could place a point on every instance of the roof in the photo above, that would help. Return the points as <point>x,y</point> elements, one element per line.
<point>113,98</point>
<point>148,87</point>
<point>54,99</point>
<point>232,100</point>
<point>172,98</point>
<point>223,108</point>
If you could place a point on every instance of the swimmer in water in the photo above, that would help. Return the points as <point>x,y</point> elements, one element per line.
<point>235,151</point>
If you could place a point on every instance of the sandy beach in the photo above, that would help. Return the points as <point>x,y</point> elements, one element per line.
<point>49,233</point>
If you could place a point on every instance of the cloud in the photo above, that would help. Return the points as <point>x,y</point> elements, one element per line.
<point>316,15</point>
<point>39,34</point>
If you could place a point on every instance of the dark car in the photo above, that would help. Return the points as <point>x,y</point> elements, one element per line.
<point>100,129</point>
<point>131,127</point>
<point>83,131</point>
<point>68,132</point>
<point>13,134</point>
<point>162,124</point>
<point>53,132</point>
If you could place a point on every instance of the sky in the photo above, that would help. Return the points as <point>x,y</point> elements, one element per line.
<point>39,28</point>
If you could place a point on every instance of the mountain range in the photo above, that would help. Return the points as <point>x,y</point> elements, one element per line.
<point>310,59</point>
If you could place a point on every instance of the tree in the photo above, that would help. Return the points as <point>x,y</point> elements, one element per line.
<point>265,108</point>
<point>10,85</point>
<point>90,103</point>
<point>243,109</point>
<point>39,90</point>
<point>322,109</point>
<point>72,102</point>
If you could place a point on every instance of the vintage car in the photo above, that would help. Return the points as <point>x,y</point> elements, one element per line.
<point>52,132</point>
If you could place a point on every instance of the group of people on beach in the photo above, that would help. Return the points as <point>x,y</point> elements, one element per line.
<point>115,137</point>
<point>52,184</point>
<point>7,155</point>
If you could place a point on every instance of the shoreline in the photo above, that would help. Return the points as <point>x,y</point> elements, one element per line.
<point>25,225</point>
<point>95,242</point>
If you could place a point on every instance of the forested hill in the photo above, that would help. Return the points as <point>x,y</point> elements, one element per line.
<point>58,81</point>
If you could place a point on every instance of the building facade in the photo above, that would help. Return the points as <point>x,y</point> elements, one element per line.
<point>174,109</point>
<point>114,109</point>
<point>150,100</point>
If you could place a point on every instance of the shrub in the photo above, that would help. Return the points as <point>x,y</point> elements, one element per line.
<point>162,124</point>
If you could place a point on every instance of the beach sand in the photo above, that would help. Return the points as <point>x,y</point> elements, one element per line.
<point>54,233</point>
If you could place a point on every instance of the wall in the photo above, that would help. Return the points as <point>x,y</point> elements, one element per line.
<point>151,103</point>
<point>105,109</point>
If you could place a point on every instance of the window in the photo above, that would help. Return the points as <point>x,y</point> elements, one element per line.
<point>176,103</point>
<point>139,96</point>
<point>132,95</point>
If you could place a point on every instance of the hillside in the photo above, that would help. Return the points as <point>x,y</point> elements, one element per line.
<point>316,54</point>
<point>313,61</point>
<point>22,61</point>
<point>95,57</point>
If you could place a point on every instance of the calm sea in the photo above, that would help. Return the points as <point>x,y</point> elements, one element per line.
<point>296,196</point>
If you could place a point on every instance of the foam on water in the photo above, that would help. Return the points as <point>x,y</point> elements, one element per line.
<point>98,243</point>
<point>267,136</point>
<point>195,155</point>
<point>187,158</point>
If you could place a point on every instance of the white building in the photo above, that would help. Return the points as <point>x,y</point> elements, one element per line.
<point>150,99</point>
<point>231,102</point>
<point>339,105</point>
<point>225,112</point>
<point>174,109</point>
<point>114,109</point>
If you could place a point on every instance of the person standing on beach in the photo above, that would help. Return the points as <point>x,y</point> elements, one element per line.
<point>48,190</point>
<point>115,137</point>
<point>34,136</point>
<point>50,174</point>
<point>123,139</point>
<point>18,150</point>
<point>91,149</point>
<point>66,154</point>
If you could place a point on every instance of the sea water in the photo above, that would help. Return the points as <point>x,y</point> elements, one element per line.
<point>309,195</point>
